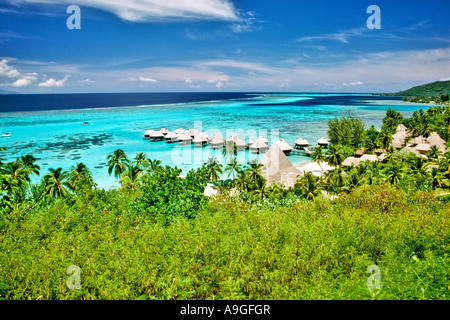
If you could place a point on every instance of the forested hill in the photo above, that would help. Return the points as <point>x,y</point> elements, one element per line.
<point>437,88</point>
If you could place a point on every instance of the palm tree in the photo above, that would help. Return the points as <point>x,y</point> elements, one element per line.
<point>259,191</point>
<point>131,176</point>
<point>17,173</point>
<point>436,178</point>
<point>334,157</point>
<point>318,156</point>
<point>116,162</point>
<point>56,184</point>
<point>255,173</point>
<point>242,180</point>
<point>229,151</point>
<point>385,139</point>
<point>233,168</point>
<point>308,186</point>
<point>393,172</point>
<point>434,153</point>
<point>154,165</point>
<point>214,169</point>
<point>79,174</point>
<point>141,160</point>
<point>28,161</point>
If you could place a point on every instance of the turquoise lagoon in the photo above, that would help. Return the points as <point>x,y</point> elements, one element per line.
<point>58,138</point>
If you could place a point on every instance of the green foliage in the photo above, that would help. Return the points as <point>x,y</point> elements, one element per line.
<point>347,131</point>
<point>165,195</point>
<point>232,250</point>
<point>434,89</point>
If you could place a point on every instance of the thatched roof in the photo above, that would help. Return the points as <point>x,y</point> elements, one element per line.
<point>148,132</point>
<point>263,139</point>
<point>323,141</point>
<point>250,141</point>
<point>301,142</point>
<point>277,167</point>
<point>156,134</point>
<point>423,147</point>
<point>192,132</point>
<point>171,136</point>
<point>184,137</point>
<point>378,151</point>
<point>418,140</point>
<point>368,157</point>
<point>239,142</point>
<point>164,131</point>
<point>178,131</point>
<point>258,145</point>
<point>435,140</point>
<point>284,146</point>
<point>351,161</point>
<point>401,128</point>
<point>216,140</point>
<point>199,139</point>
<point>360,152</point>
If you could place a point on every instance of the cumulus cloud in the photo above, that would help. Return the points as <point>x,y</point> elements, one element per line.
<point>7,70</point>
<point>25,80</point>
<point>53,83</point>
<point>157,10</point>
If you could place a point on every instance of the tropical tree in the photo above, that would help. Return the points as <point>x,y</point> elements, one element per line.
<point>229,151</point>
<point>233,168</point>
<point>117,162</point>
<point>56,183</point>
<point>318,156</point>
<point>28,162</point>
<point>434,152</point>
<point>242,181</point>
<point>393,172</point>
<point>80,177</point>
<point>214,169</point>
<point>154,165</point>
<point>307,186</point>
<point>130,178</point>
<point>141,160</point>
<point>436,178</point>
<point>255,172</point>
<point>334,156</point>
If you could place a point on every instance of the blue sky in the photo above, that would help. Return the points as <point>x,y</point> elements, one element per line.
<point>222,45</point>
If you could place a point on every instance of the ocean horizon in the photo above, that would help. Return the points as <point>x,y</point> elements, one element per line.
<point>49,126</point>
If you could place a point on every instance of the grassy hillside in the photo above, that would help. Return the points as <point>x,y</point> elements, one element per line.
<point>232,250</point>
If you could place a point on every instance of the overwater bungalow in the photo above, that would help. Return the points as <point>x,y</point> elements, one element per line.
<point>178,131</point>
<point>301,144</point>
<point>147,133</point>
<point>240,144</point>
<point>323,142</point>
<point>164,131</point>
<point>284,146</point>
<point>216,141</point>
<point>184,138</point>
<point>200,140</point>
<point>259,146</point>
<point>171,137</point>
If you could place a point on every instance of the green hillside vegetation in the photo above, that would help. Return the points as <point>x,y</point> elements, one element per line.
<point>437,92</point>
<point>159,237</point>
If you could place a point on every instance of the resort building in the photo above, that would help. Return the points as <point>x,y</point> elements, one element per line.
<point>284,146</point>
<point>277,168</point>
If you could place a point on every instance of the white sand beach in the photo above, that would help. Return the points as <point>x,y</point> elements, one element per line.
<point>313,167</point>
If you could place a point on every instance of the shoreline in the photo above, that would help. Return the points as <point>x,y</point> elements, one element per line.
<point>313,167</point>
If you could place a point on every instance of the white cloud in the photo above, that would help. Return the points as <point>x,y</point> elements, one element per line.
<point>141,78</point>
<point>157,10</point>
<point>86,81</point>
<point>25,80</point>
<point>7,70</point>
<point>53,83</point>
